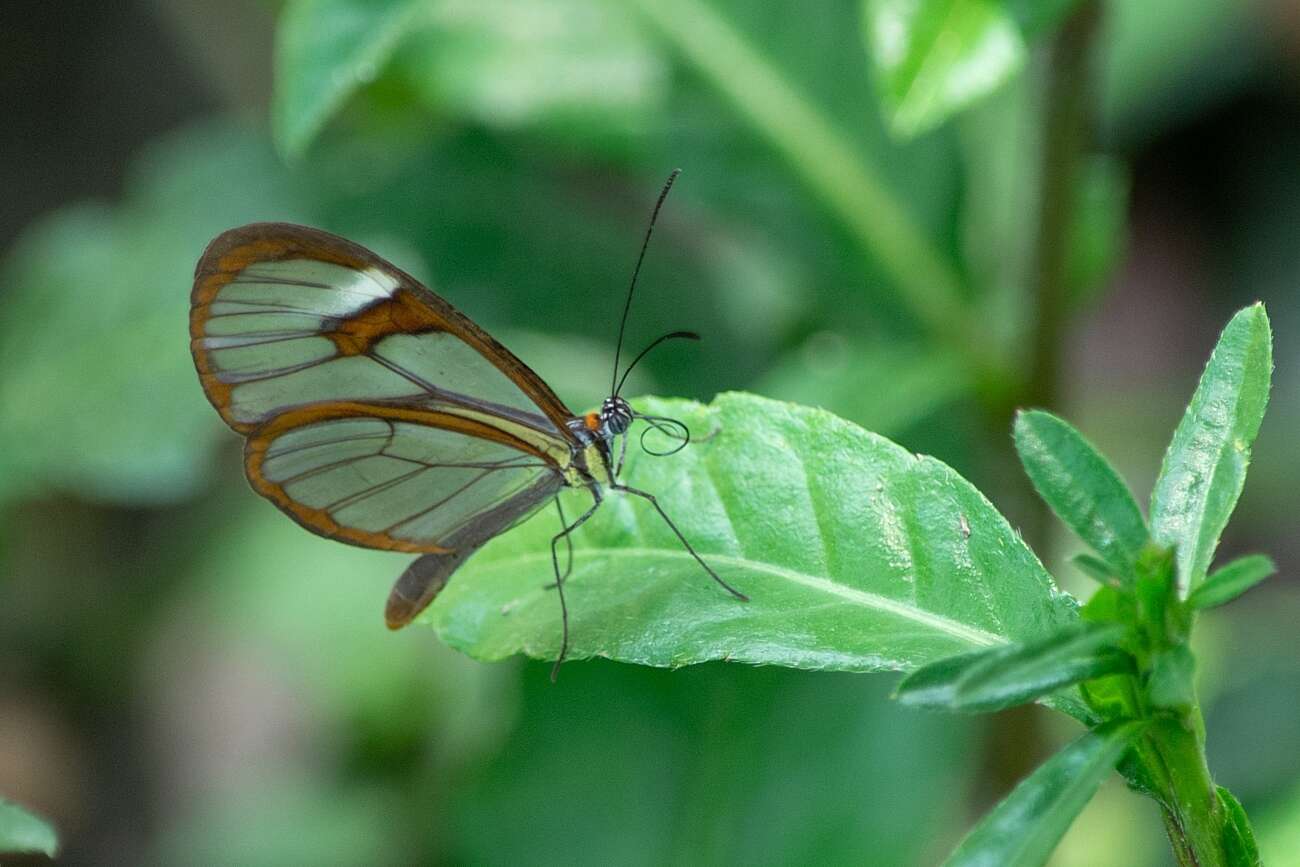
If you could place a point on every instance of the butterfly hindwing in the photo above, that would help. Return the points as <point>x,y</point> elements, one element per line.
<point>397,478</point>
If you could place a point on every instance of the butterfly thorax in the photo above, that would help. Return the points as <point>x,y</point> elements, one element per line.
<point>595,431</point>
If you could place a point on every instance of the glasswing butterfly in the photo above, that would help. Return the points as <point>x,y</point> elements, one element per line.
<point>377,414</point>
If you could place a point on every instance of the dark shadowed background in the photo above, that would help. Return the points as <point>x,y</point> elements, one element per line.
<point>187,677</point>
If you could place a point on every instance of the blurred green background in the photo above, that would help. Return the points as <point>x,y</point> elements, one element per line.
<point>188,677</point>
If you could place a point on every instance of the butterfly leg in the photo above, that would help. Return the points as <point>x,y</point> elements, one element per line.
<point>568,541</point>
<point>559,579</point>
<point>687,545</point>
<point>622,456</point>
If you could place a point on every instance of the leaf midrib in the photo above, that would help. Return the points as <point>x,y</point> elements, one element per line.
<point>864,598</point>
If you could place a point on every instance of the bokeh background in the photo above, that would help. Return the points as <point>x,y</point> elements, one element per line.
<point>187,677</point>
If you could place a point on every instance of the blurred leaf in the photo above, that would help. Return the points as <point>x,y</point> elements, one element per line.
<point>1239,842</point>
<point>1000,156</point>
<point>1004,677</point>
<point>711,765</point>
<point>1232,580</point>
<point>1025,827</point>
<point>290,822</point>
<point>325,51</point>
<point>1036,16</point>
<point>935,57</point>
<point>1097,232</point>
<point>1082,488</point>
<point>921,274</point>
<point>1097,570</point>
<point>1165,60</point>
<point>21,831</point>
<point>94,344</point>
<point>1279,826</point>
<point>886,388</point>
<point>856,555</point>
<point>580,66</point>
<point>1001,151</point>
<point>1204,468</point>
<point>270,587</point>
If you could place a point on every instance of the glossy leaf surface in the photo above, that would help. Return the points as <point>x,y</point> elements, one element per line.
<point>934,57</point>
<point>20,831</point>
<point>1234,579</point>
<point>1082,488</point>
<point>1025,827</point>
<point>856,554</point>
<point>1239,838</point>
<point>1204,468</point>
<point>1008,676</point>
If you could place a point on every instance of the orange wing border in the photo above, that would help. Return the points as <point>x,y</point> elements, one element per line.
<point>413,308</point>
<point>319,521</point>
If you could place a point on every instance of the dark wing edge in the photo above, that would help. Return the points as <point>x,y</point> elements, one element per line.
<point>424,579</point>
<point>319,521</point>
<point>235,249</point>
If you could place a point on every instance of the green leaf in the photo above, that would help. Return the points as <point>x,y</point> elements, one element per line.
<point>1025,827</point>
<point>659,804</point>
<point>137,428</point>
<point>1008,676</point>
<point>21,831</point>
<point>325,51</point>
<point>1164,61</point>
<point>1097,570</point>
<point>1035,16</point>
<point>332,822</point>
<point>1238,836</point>
<point>856,555</point>
<point>886,388</point>
<point>1204,468</point>
<point>1081,487</point>
<point>583,68</point>
<point>934,57</point>
<point>1234,579</point>
<point>1097,231</point>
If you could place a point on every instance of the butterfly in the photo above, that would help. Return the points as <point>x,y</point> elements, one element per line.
<point>377,414</point>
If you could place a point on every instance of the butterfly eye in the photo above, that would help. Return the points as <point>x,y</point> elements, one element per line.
<point>616,416</point>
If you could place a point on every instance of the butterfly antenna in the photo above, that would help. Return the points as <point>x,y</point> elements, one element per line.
<point>672,335</point>
<point>627,306</point>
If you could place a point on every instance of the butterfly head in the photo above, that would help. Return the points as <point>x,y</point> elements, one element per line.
<point>615,417</point>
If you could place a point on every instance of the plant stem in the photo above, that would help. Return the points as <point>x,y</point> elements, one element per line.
<point>926,281</point>
<point>1066,112</point>
<point>1067,129</point>
<point>1194,819</point>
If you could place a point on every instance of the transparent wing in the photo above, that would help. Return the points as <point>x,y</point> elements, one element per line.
<point>284,315</point>
<point>397,478</point>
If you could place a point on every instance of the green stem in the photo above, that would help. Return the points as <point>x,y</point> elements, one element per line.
<point>1066,113</point>
<point>926,281</point>
<point>1067,130</point>
<point>1194,819</point>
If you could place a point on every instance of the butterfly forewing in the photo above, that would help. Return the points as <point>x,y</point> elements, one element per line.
<point>284,315</point>
<point>376,414</point>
